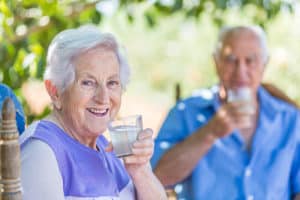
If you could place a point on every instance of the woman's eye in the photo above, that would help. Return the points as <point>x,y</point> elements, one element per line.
<point>113,83</point>
<point>88,83</point>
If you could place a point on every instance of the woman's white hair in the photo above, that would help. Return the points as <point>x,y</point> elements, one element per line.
<point>228,31</point>
<point>72,42</point>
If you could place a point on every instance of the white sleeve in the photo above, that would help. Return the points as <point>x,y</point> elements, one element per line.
<point>40,175</point>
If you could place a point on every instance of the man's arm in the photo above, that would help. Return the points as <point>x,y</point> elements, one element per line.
<point>177,163</point>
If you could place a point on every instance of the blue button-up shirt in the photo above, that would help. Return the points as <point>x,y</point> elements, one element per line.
<point>228,171</point>
<point>5,91</point>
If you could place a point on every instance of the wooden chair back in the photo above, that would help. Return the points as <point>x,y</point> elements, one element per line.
<point>10,182</point>
<point>276,92</point>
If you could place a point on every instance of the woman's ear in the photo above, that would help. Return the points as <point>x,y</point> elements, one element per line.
<point>53,93</point>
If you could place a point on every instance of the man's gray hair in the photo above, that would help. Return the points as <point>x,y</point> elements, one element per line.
<point>257,30</point>
<point>72,42</point>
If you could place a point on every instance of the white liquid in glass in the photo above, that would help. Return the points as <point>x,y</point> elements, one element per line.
<point>122,138</point>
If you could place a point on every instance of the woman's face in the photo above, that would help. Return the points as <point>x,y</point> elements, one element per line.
<point>95,96</point>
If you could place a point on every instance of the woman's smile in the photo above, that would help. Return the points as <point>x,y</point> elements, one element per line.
<point>98,112</point>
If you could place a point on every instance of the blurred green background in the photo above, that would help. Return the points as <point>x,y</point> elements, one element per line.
<point>167,42</point>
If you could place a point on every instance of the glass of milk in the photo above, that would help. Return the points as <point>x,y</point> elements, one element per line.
<point>124,132</point>
<point>243,94</point>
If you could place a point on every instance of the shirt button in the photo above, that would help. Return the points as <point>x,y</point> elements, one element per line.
<point>181,106</point>
<point>250,197</point>
<point>248,172</point>
<point>201,118</point>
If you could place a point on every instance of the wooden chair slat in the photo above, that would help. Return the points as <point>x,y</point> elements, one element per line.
<point>10,183</point>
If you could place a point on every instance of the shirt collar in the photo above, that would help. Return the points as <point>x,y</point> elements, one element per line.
<point>267,103</point>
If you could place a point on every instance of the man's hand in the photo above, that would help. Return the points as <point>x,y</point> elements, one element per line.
<point>229,117</point>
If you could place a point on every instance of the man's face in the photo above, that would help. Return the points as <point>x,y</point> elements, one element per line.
<point>241,61</point>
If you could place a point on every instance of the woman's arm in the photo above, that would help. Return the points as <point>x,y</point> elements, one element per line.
<point>146,184</point>
<point>40,175</point>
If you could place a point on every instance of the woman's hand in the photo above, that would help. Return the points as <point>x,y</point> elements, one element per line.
<point>138,166</point>
<point>142,150</point>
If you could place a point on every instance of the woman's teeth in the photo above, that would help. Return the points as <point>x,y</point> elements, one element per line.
<point>98,111</point>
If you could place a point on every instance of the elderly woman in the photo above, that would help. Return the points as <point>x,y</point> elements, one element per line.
<point>65,156</point>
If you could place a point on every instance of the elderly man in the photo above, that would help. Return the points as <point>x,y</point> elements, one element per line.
<point>234,141</point>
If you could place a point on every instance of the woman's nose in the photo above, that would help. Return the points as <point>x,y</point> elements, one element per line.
<point>102,94</point>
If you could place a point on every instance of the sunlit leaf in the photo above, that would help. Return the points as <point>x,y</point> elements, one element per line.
<point>4,9</point>
<point>36,48</point>
<point>18,64</point>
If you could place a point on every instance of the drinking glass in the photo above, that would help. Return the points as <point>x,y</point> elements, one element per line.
<point>124,132</point>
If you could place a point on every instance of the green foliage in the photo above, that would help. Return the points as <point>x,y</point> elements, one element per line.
<point>179,50</point>
<point>28,26</point>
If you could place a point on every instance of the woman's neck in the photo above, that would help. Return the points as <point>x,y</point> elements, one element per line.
<point>56,118</point>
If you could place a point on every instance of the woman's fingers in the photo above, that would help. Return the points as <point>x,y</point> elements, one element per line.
<point>146,133</point>
<point>142,149</point>
<point>147,142</point>
<point>136,159</point>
